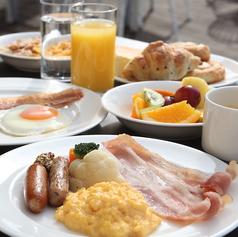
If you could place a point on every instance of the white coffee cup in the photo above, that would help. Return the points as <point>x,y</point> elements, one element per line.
<point>220,123</point>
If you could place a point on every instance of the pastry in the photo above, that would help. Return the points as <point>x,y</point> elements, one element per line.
<point>200,50</point>
<point>122,56</point>
<point>210,71</point>
<point>160,62</point>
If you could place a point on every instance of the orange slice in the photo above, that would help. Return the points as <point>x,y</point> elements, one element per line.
<point>175,113</point>
<point>164,93</point>
<point>138,104</point>
<point>136,96</point>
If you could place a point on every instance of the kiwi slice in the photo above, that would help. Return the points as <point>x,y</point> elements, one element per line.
<point>152,98</point>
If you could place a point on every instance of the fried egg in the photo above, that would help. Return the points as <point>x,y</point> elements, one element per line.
<point>27,120</point>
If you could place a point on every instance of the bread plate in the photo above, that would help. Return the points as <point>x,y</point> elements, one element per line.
<point>230,65</point>
<point>24,63</point>
<point>118,101</point>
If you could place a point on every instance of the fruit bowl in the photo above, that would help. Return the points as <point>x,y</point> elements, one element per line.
<point>118,101</point>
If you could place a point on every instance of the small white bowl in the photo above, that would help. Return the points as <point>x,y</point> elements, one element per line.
<point>118,101</point>
<point>58,64</point>
<point>24,63</point>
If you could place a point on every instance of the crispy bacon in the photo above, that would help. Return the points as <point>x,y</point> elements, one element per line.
<point>57,100</point>
<point>173,192</point>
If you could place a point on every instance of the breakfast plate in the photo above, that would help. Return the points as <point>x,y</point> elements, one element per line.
<point>121,107</point>
<point>16,220</point>
<point>82,118</point>
<point>230,64</point>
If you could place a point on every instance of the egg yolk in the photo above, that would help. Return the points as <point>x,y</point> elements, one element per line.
<point>39,113</point>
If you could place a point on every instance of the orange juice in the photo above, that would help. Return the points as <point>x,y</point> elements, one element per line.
<point>93,54</point>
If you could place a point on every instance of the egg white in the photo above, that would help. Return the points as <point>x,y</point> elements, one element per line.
<point>12,123</point>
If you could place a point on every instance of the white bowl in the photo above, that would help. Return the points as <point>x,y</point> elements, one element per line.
<point>24,63</point>
<point>57,64</point>
<point>118,101</point>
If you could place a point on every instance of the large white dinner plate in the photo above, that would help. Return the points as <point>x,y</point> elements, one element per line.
<point>16,220</point>
<point>230,64</point>
<point>82,117</point>
<point>118,101</point>
<point>24,63</point>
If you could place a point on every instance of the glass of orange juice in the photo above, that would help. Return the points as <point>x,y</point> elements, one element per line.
<point>93,34</point>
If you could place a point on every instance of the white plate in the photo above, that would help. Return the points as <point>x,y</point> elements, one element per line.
<point>230,64</point>
<point>118,101</point>
<point>16,220</point>
<point>83,117</point>
<point>24,63</point>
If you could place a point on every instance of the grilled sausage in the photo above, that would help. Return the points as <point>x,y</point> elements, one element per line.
<point>59,181</point>
<point>36,188</point>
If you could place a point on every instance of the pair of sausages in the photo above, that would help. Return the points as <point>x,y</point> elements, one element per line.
<point>41,187</point>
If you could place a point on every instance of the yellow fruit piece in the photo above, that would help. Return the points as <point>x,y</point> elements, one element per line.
<point>139,104</point>
<point>200,84</point>
<point>136,96</point>
<point>175,113</point>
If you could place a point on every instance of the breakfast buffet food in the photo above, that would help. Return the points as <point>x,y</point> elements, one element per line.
<point>185,105</point>
<point>61,50</point>
<point>31,47</point>
<point>108,209</point>
<point>38,113</point>
<point>28,120</point>
<point>152,189</point>
<point>24,47</point>
<point>200,50</point>
<point>122,56</point>
<point>156,62</point>
<point>173,192</point>
<point>211,71</point>
<point>160,62</point>
<point>55,99</point>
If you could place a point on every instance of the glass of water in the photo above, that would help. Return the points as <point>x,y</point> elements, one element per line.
<point>56,39</point>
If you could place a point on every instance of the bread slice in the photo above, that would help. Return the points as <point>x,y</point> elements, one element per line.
<point>122,56</point>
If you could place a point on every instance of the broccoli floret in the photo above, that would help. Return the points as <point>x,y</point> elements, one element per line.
<point>82,149</point>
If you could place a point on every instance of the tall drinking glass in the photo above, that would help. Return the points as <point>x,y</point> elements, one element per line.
<point>55,39</point>
<point>93,33</point>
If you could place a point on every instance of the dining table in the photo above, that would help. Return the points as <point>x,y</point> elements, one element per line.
<point>109,126</point>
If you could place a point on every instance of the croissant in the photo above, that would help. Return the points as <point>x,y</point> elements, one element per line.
<point>200,50</point>
<point>160,62</point>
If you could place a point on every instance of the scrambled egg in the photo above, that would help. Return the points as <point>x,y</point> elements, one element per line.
<point>108,209</point>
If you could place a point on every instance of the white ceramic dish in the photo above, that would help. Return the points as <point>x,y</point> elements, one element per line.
<point>118,101</point>
<point>16,220</point>
<point>82,117</point>
<point>62,64</point>
<point>30,64</point>
<point>230,64</point>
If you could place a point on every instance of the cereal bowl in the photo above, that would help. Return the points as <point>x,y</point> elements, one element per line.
<point>56,62</point>
<point>24,63</point>
<point>118,101</point>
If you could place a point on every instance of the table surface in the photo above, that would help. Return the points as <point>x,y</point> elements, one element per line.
<point>110,125</point>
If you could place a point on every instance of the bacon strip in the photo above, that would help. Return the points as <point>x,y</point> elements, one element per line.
<point>173,192</point>
<point>58,99</point>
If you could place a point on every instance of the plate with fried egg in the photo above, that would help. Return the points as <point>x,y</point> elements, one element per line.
<point>29,123</point>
